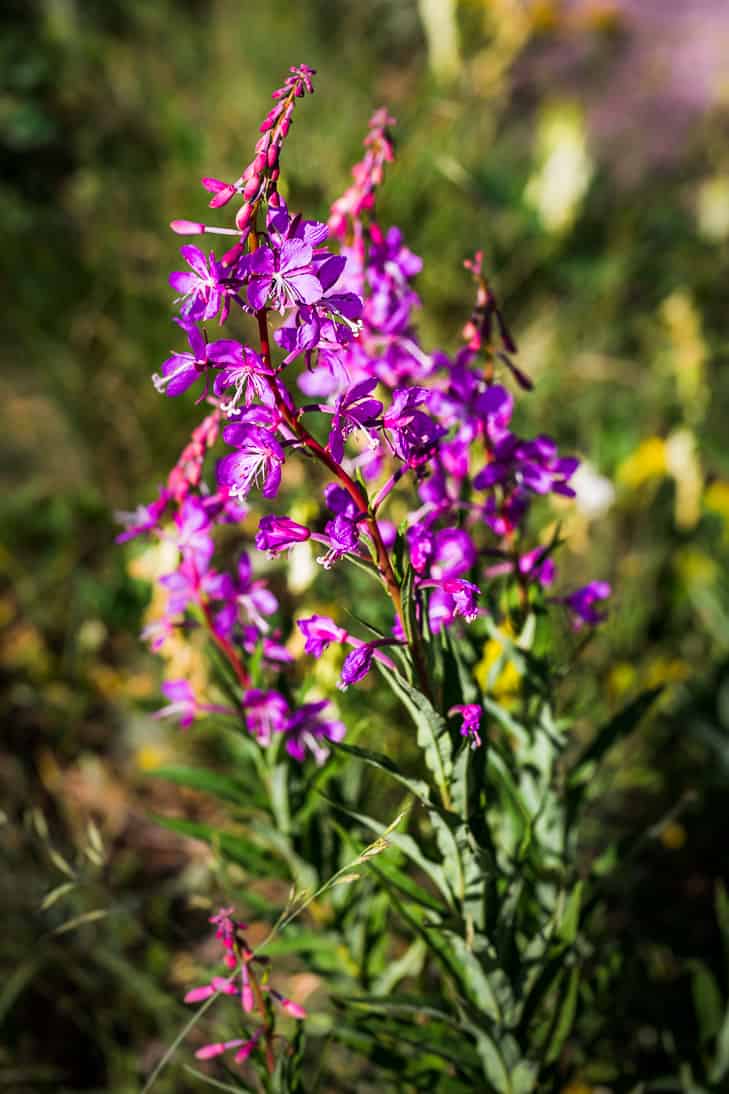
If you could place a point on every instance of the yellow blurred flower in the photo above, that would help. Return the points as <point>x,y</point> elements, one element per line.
<point>673,836</point>
<point>621,678</point>
<point>505,685</point>
<point>716,500</point>
<point>647,462</point>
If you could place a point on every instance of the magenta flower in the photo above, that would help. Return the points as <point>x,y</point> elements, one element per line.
<point>181,370</point>
<point>206,291</point>
<point>266,713</point>
<point>319,632</point>
<point>276,534</point>
<point>257,462</point>
<point>182,704</point>
<point>343,538</point>
<point>353,410</point>
<point>306,729</point>
<point>247,376</point>
<point>145,518</point>
<point>453,553</point>
<point>465,597</point>
<point>284,276</point>
<point>471,713</point>
<point>193,539</point>
<point>581,603</point>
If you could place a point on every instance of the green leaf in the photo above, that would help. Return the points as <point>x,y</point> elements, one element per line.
<point>433,735</point>
<point>418,787</point>
<point>255,859</point>
<point>200,778</point>
<point>707,1000</point>
<point>720,1065</point>
<point>570,921</point>
<point>565,1016</point>
<point>615,730</point>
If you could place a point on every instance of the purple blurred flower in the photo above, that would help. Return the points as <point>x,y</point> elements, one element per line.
<point>471,714</point>
<point>319,632</point>
<point>145,518</point>
<point>582,601</point>
<point>266,713</point>
<point>182,702</point>
<point>305,730</point>
<point>453,553</point>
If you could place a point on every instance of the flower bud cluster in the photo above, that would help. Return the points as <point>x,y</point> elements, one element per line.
<point>247,980</point>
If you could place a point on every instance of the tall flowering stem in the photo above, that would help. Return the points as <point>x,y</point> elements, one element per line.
<point>466,575</point>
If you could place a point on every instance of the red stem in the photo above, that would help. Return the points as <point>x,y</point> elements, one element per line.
<point>226,648</point>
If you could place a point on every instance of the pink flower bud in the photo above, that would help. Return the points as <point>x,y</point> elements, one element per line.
<point>293,1009</point>
<point>207,1052</point>
<point>198,994</point>
<point>272,157</point>
<point>259,162</point>
<point>187,227</point>
<point>243,217</point>
<point>251,187</point>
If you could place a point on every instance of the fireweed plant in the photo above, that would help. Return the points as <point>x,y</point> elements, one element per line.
<point>455,951</point>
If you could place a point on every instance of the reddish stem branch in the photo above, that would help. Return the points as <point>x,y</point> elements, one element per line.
<point>226,648</point>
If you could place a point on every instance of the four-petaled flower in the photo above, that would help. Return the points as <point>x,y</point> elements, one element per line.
<point>206,291</point>
<point>181,370</point>
<point>257,462</point>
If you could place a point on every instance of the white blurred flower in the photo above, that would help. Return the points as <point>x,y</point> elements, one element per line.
<point>595,493</point>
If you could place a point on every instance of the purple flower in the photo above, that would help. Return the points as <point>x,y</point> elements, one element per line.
<point>207,290</point>
<point>356,665</point>
<point>275,534</point>
<point>254,597</point>
<point>338,500</point>
<point>145,518</point>
<point>284,274</point>
<point>266,713</point>
<point>305,730</point>
<point>258,461</point>
<point>247,376</point>
<point>319,632</point>
<point>471,713</point>
<point>581,603</point>
<point>193,538</point>
<point>353,410</point>
<point>420,545</point>
<point>343,538</point>
<point>537,566</point>
<point>182,702</point>
<point>181,370</point>
<point>495,407</point>
<point>531,464</point>
<point>465,597</point>
<point>453,553</point>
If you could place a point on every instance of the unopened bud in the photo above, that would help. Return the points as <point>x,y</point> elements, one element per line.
<point>187,227</point>
<point>272,156</point>
<point>252,187</point>
<point>243,216</point>
<point>259,162</point>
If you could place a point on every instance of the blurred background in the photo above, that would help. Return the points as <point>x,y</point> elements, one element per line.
<point>583,145</point>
